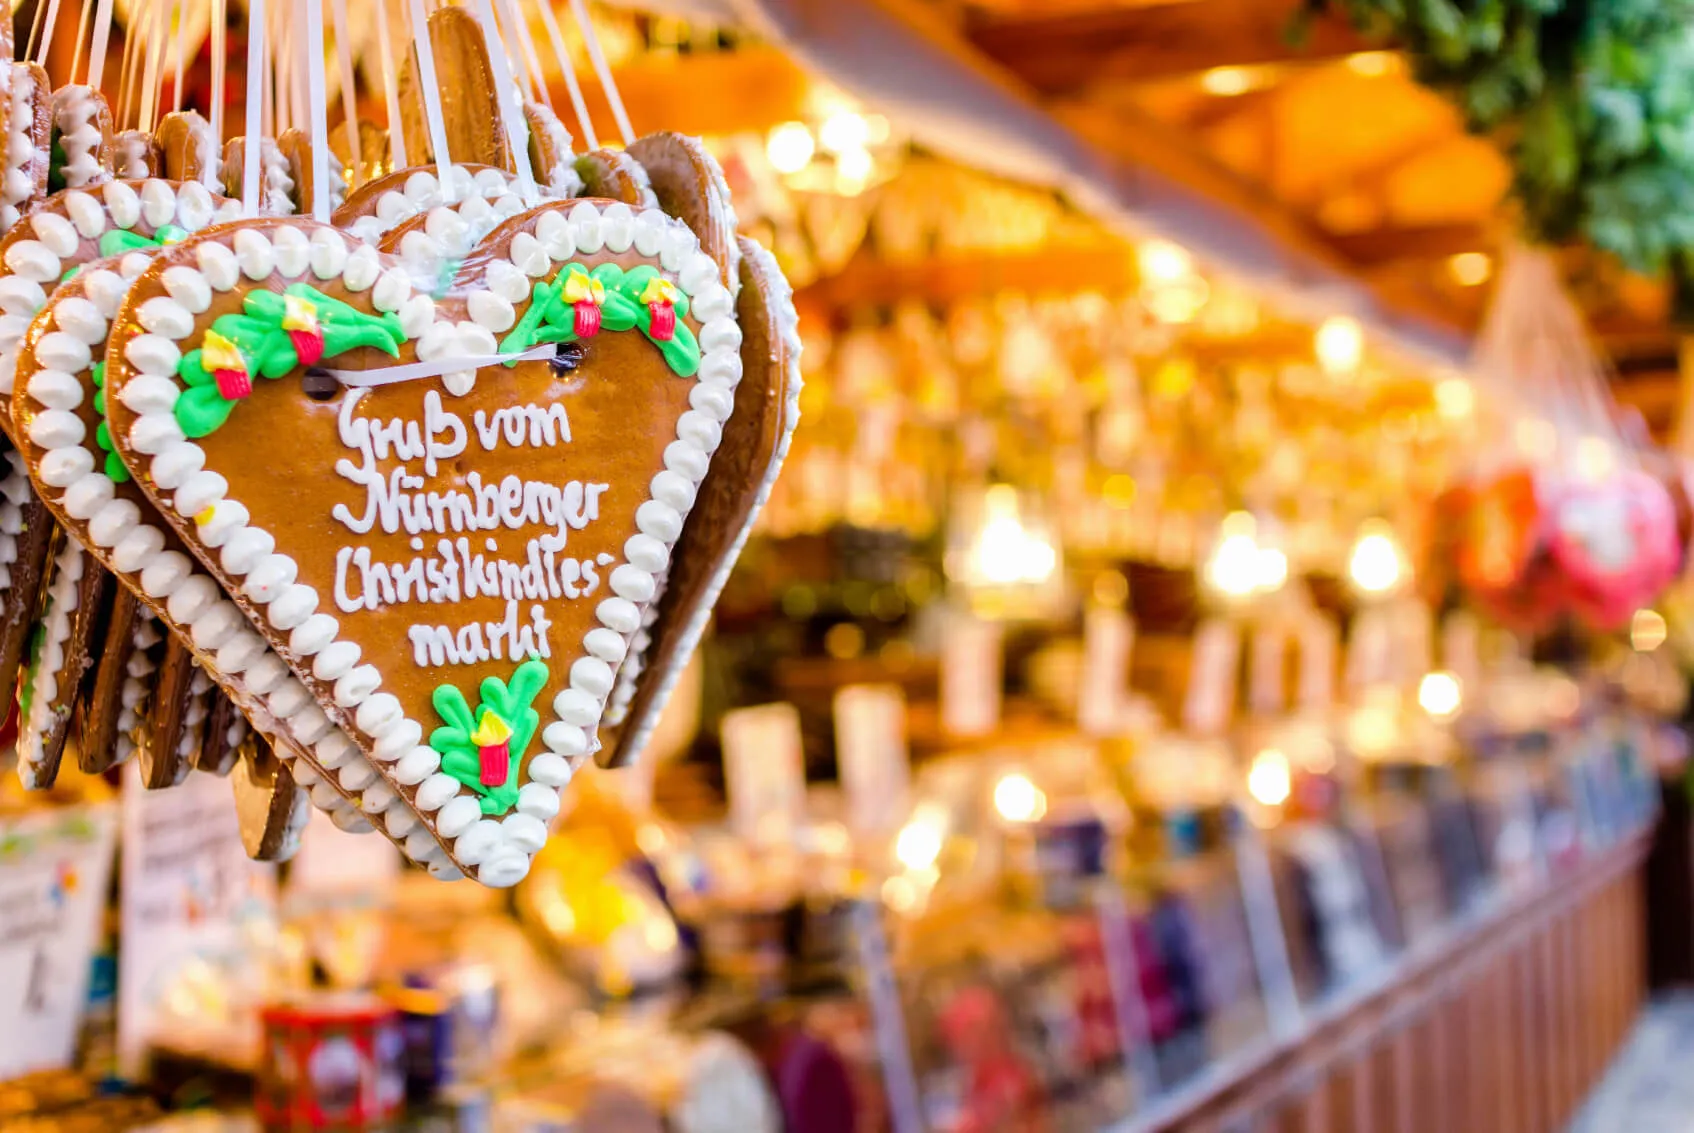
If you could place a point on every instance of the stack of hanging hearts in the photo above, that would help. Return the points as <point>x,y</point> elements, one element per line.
<point>407,514</point>
<point>1534,546</point>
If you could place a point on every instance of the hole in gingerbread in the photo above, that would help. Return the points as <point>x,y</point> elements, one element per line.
<point>319,384</point>
<point>566,358</point>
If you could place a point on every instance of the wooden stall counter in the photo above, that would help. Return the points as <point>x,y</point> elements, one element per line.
<point>1501,1023</point>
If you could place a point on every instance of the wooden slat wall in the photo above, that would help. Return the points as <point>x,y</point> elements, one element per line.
<point>1506,1033</point>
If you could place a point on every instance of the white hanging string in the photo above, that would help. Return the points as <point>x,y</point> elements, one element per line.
<point>34,31</point>
<point>503,31</point>
<point>584,125</point>
<point>255,107</point>
<point>318,100</point>
<point>349,98</point>
<point>532,57</point>
<point>518,27</point>
<point>81,37</point>
<point>268,107</point>
<point>390,90</point>
<point>297,65</point>
<point>134,33</point>
<point>219,32</point>
<point>181,53</point>
<point>511,113</point>
<point>155,49</point>
<point>412,371</point>
<point>102,37</point>
<point>432,98</point>
<point>51,22</point>
<point>598,59</point>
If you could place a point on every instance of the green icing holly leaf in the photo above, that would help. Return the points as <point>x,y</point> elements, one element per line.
<point>120,241</point>
<point>510,702</point>
<point>550,318</point>
<point>113,467</point>
<point>268,350</point>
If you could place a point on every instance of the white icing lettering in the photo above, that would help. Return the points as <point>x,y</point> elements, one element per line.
<point>413,484</point>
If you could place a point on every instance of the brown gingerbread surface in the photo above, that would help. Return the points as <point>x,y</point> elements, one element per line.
<point>280,447</point>
<point>728,496</point>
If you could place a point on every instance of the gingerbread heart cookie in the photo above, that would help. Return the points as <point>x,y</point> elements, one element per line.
<point>447,513</point>
<point>470,107</point>
<point>755,442</point>
<point>29,131</point>
<point>271,807</point>
<point>103,741</point>
<point>58,678</point>
<point>277,187</point>
<point>616,176</point>
<point>80,150</point>
<point>61,417</point>
<point>76,226</point>
<point>225,731</point>
<point>136,156</point>
<point>26,538</point>
<point>296,149</point>
<point>190,149</point>
<point>550,150</point>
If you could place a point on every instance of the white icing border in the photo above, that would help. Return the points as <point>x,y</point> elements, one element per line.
<point>15,492</point>
<point>421,192</point>
<point>788,319</point>
<point>18,184</point>
<point>499,851</point>
<point>75,118</point>
<point>32,267</point>
<point>133,546</point>
<point>136,693</point>
<point>64,595</point>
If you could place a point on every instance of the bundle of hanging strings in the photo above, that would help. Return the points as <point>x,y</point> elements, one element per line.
<point>391,470</point>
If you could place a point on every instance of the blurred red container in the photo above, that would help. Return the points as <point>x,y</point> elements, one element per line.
<point>330,1062</point>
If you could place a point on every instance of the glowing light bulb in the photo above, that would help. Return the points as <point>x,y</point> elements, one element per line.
<point>1270,780</point>
<point>843,132</point>
<point>1454,398</point>
<point>790,147</point>
<point>1372,64</point>
<point>1163,262</point>
<point>1594,458</point>
<point>1019,800</point>
<point>918,845</point>
<point>1234,569</point>
<point>1375,563</point>
<point>1339,344</point>
<point>1272,569</point>
<point>1440,694</point>
<point>1647,631</point>
<point>1227,82</point>
<point>1470,269</point>
<point>853,169</point>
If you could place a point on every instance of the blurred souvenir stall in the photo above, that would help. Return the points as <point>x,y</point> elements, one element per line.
<point>1214,657</point>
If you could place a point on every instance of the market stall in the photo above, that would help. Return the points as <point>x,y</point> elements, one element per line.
<point>1021,580</point>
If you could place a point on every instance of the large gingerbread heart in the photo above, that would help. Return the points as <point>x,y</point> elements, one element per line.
<point>446,512</point>
<point>755,444</point>
<point>133,220</point>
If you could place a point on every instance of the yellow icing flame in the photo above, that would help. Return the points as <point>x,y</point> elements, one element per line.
<point>659,291</point>
<point>204,515</point>
<point>219,353</point>
<point>491,730</point>
<point>580,287</point>
<point>299,314</point>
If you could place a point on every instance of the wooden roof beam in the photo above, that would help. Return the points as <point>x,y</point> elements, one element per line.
<point>1069,53</point>
<point>1380,246</point>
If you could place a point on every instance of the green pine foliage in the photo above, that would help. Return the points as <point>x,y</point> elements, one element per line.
<point>1591,100</point>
